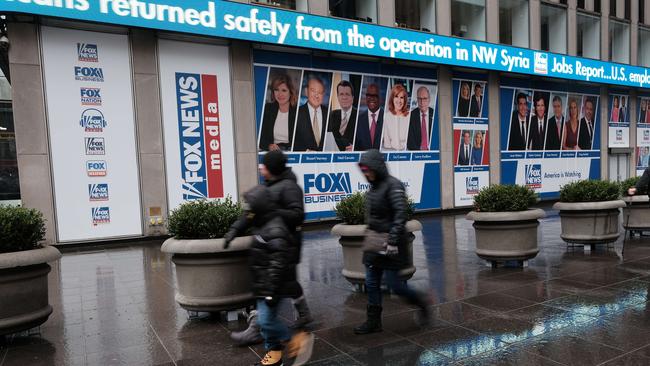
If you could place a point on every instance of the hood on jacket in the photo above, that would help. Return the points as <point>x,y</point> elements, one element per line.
<point>258,200</point>
<point>374,160</point>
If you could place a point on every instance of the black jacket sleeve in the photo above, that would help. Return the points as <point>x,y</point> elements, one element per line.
<point>293,209</point>
<point>242,224</point>
<point>644,182</point>
<point>398,203</point>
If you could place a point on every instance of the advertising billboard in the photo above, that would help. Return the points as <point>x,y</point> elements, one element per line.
<point>549,134</point>
<point>323,114</point>
<point>197,120</point>
<point>92,134</point>
<point>619,120</point>
<point>642,151</point>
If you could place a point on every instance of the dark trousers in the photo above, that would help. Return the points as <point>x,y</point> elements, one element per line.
<point>373,285</point>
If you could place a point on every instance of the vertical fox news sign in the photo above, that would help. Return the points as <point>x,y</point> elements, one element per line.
<point>197,121</point>
<point>92,134</point>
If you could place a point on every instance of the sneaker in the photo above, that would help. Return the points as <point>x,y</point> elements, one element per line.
<point>300,348</point>
<point>271,358</point>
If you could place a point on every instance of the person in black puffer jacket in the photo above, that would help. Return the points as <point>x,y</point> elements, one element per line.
<point>386,212</point>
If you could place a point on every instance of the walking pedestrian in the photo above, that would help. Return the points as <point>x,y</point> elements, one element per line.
<point>643,185</point>
<point>385,244</point>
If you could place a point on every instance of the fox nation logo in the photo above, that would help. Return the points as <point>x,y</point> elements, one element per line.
<point>533,175</point>
<point>87,52</point>
<point>92,120</point>
<point>96,168</point>
<point>101,215</point>
<point>91,96</point>
<point>327,187</point>
<point>98,192</point>
<point>471,185</point>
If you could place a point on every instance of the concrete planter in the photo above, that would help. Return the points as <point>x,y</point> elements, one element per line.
<point>351,240</point>
<point>506,236</point>
<point>211,278</point>
<point>589,223</point>
<point>636,214</point>
<point>23,284</point>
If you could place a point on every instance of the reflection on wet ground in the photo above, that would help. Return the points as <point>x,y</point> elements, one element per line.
<point>116,307</point>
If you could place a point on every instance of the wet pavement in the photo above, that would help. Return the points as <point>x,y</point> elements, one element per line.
<point>571,307</point>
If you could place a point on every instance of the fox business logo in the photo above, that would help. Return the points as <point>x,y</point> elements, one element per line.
<point>98,192</point>
<point>101,215</point>
<point>95,146</point>
<point>91,96</point>
<point>96,168</point>
<point>95,74</point>
<point>471,185</point>
<point>87,52</point>
<point>92,120</point>
<point>534,175</point>
<point>327,187</point>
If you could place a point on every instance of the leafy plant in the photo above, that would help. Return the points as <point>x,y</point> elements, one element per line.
<point>20,229</point>
<point>504,198</point>
<point>203,219</point>
<point>629,183</point>
<point>352,209</point>
<point>590,191</point>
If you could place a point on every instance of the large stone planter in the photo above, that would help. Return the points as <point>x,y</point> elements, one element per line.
<point>351,240</point>
<point>23,288</point>
<point>506,236</point>
<point>589,223</point>
<point>211,278</point>
<point>636,214</point>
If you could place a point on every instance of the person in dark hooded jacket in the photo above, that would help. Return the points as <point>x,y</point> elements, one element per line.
<point>386,215</point>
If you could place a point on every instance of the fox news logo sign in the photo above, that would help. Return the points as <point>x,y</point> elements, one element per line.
<point>95,146</point>
<point>95,74</point>
<point>91,96</point>
<point>327,187</point>
<point>619,135</point>
<point>87,52</point>
<point>101,215</point>
<point>646,135</point>
<point>92,120</point>
<point>541,63</point>
<point>96,168</point>
<point>534,175</point>
<point>471,185</point>
<point>98,192</point>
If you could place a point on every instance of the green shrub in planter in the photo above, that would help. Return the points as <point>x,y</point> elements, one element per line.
<point>504,198</point>
<point>352,209</point>
<point>20,229</point>
<point>203,219</point>
<point>590,191</point>
<point>629,183</point>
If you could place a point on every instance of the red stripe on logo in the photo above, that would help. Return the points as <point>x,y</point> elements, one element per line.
<point>212,135</point>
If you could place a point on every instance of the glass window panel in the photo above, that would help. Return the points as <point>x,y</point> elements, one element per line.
<point>513,22</point>
<point>619,42</point>
<point>553,28</point>
<point>588,43</point>
<point>468,19</point>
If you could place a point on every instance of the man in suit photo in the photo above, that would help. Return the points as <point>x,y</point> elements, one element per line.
<point>537,124</point>
<point>622,113</point>
<point>465,151</point>
<point>519,124</point>
<point>344,121</point>
<point>370,122</point>
<point>421,122</point>
<point>312,119</point>
<point>477,101</point>
<point>587,127</point>
<point>555,126</point>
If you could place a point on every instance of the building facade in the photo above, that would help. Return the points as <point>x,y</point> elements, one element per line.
<point>117,112</point>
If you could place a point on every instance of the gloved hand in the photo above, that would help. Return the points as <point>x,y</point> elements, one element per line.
<point>391,250</point>
<point>228,238</point>
<point>272,301</point>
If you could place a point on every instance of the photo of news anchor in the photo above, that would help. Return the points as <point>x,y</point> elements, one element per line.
<point>464,100</point>
<point>477,148</point>
<point>421,121</point>
<point>396,120</point>
<point>537,128</point>
<point>519,123</point>
<point>572,126</point>
<point>279,118</point>
<point>622,115</point>
<point>555,126</point>
<point>465,148</point>
<point>587,126</point>
<point>311,125</point>
<point>343,121</point>
<point>476,105</point>
<point>371,120</point>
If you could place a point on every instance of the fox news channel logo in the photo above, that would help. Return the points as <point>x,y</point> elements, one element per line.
<point>98,192</point>
<point>92,120</point>
<point>327,187</point>
<point>541,63</point>
<point>96,168</point>
<point>91,96</point>
<point>619,135</point>
<point>534,175</point>
<point>95,146</point>
<point>101,215</point>
<point>646,135</point>
<point>87,52</point>
<point>82,73</point>
<point>471,185</point>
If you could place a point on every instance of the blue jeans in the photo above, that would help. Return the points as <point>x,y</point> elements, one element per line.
<point>272,328</point>
<point>373,285</point>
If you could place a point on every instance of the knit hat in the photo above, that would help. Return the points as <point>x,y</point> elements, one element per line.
<point>275,161</point>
